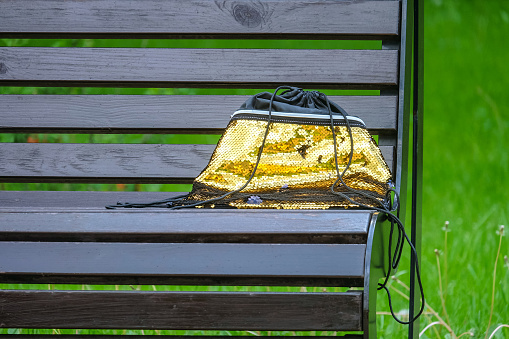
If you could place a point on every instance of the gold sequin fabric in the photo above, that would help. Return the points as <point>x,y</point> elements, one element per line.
<point>296,168</point>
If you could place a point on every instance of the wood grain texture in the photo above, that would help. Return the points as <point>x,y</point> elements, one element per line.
<point>109,163</point>
<point>313,19</point>
<point>226,226</point>
<point>70,201</point>
<point>45,200</point>
<point>142,163</point>
<point>156,113</point>
<point>166,67</point>
<point>188,260</point>
<point>182,310</point>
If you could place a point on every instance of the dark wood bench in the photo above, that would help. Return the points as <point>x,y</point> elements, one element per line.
<point>50,237</point>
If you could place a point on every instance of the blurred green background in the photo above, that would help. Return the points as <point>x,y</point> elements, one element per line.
<point>466,162</point>
<point>465,156</point>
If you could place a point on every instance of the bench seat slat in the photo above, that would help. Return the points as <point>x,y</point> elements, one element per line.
<point>156,113</point>
<point>182,310</point>
<point>175,260</point>
<point>167,67</point>
<point>152,18</point>
<point>73,201</point>
<point>268,226</point>
<point>109,163</point>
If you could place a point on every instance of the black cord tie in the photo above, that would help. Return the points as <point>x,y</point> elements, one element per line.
<point>161,203</point>
<point>386,208</point>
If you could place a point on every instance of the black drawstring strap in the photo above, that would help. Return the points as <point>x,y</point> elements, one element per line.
<point>161,203</point>
<point>386,207</point>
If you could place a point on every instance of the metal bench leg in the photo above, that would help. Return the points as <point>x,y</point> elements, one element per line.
<point>374,269</point>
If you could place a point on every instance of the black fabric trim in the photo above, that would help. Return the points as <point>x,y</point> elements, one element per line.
<point>294,100</point>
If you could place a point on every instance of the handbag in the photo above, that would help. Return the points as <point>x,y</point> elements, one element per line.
<point>285,151</point>
<point>296,150</point>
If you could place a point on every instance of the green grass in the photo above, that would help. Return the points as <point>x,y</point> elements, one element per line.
<point>466,162</point>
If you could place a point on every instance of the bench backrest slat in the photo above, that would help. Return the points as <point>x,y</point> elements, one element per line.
<point>163,19</point>
<point>157,113</point>
<point>109,163</point>
<point>167,67</point>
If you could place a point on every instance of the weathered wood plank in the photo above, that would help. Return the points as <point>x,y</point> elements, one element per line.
<point>177,262</point>
<point>182,310</point>
<point>72,201</point>
<point>156,113</point>
<point>109,163</point>
<point>264,226</point>
<point>142,163</point>
<point>313,19</point>
<point>166,67</point>
<point>31,200</point>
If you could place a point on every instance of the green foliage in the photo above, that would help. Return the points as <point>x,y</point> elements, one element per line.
<point>466,133</point>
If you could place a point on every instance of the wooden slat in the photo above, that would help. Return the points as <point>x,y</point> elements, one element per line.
<point>162,67</point>
<point>182,310</point>
<point>110,163</point>
<point>269,226</point>
<point>40,201</point>
<point>223,19</point>
<point>30,200</point>
<point>180,263</point>
<point>143,163</point>
<point>156,113</point>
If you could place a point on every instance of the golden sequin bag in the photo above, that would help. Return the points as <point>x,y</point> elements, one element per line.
<point>297,150</point>
<point>297,166</point>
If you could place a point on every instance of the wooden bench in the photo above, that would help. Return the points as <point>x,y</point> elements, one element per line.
<point>50,237</point>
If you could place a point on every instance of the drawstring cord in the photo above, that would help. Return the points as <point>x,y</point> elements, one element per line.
<point>386,208</point>
<point>160,203</point>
